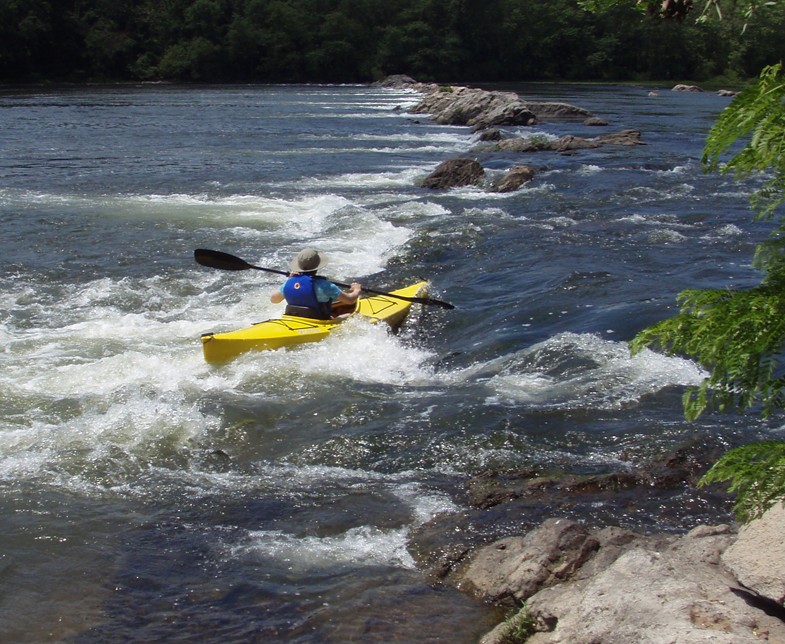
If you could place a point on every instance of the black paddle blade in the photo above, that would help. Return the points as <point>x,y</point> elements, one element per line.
<point>222,261</point>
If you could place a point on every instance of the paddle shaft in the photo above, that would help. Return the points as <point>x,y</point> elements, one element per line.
<point>227,262</point>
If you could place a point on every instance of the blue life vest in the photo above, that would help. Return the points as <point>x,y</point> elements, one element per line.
<point>300,293</point>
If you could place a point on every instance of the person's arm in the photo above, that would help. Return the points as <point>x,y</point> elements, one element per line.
<point>276,297</point>
<point>350,296</point>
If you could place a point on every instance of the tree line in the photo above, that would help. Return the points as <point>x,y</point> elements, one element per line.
<point>292,41</point>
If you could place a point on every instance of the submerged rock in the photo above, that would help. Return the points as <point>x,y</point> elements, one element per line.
<point>563,144</point>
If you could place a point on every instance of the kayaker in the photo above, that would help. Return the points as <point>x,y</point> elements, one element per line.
<point>310,295</point>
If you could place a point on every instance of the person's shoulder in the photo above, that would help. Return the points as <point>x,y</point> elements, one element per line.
<point>328,286</point>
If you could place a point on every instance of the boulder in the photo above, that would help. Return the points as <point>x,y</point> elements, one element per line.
<point>476,108</point>
<point>491,134</point>
<point>397,81</point>
<point>634,588</point>
<point>756,559</point>
<point>454,173</point>
<point>480,109</point>
<point>513,112</point>
<point>515,568</point>
<point>686,88</point>
<point>516,177</point>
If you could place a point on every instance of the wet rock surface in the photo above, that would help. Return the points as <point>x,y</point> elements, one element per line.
<point>554,544</point>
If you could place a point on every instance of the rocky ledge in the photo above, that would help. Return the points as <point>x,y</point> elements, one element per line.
<point>488,112</point>
<point>615,586</point>
<point>524,543</point>
<point>618,557</point>
<point>480,109</point>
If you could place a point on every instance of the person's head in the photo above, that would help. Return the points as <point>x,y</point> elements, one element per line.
<point>307,260</point>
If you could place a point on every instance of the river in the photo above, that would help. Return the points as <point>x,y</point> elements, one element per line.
<point>148,496</point>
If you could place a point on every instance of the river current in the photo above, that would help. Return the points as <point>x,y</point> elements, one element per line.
<point>147,496</point>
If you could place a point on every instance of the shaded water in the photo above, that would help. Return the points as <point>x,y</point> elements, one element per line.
<point>148,496</point>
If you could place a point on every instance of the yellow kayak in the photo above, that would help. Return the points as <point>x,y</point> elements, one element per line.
<point>290,330</point>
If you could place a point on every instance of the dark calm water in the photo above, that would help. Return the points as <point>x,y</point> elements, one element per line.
<point>149,497</point>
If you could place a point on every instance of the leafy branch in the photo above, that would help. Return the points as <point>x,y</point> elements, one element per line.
<point>758,113</point>
<point>739,336</point>
<point>757,477</point>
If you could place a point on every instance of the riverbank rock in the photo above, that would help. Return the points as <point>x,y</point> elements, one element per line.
<point>757,559</point>
<point>500,503</point>
<point>514,569</point>
<point>631,588</point>
<point>455,173</point>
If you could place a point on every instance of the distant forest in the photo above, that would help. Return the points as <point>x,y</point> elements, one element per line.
<point>346,41</point>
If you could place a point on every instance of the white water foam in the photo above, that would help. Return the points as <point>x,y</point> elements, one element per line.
<point>582,371</point>
<point>365,546</point>
<point>361,546</point>
<point>357,351</point>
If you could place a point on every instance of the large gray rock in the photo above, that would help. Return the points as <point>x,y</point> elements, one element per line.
<point>476,108</point>
<point>757,559</point>
<point>648,590</point>
<point>517,567</point>
<point>556,111</point>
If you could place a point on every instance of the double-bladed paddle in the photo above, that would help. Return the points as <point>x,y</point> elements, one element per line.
<point>227,262</point>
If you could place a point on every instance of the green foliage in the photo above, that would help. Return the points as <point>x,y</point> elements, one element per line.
<point>758,114</point>
<point>756,474</point>
<point>739,336</point>
<point>362,40</point>
<point>518,627</point>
